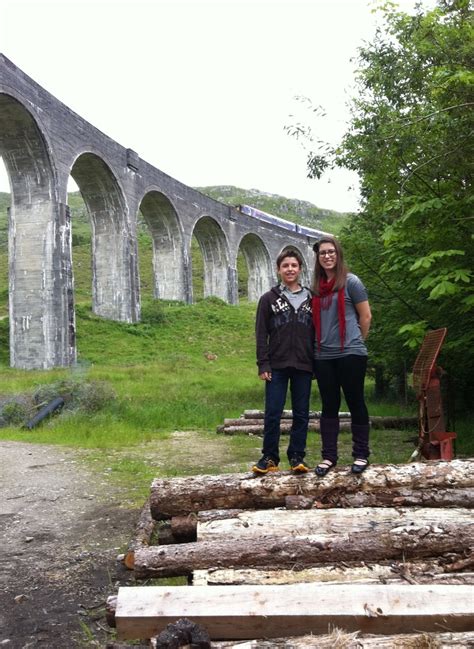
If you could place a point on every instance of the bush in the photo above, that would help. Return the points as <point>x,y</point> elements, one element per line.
<point>14,413</point>
<point>93,396</point>
<point>153,313</point>
<point>86,396</point>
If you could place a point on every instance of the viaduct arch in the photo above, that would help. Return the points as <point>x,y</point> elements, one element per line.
<point>43,143</point>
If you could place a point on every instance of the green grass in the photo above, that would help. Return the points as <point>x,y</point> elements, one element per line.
<point>169,396</point>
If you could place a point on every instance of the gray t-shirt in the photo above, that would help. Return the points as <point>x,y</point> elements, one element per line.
<point>354,292</point>
<point>297,298</point>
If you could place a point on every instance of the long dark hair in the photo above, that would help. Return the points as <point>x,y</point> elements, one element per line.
<point>341,268</point>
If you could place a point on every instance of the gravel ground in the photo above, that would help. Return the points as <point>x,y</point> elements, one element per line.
<point>61,528</point>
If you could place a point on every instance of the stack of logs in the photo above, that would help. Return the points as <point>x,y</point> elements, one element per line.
<point>251,422</point>
<point>387,552</point>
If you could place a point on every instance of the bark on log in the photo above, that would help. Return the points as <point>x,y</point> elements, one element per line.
<point>288,414</point>
<point>340,638</point>
<point>142,535</point>
<point>257,429</point>
<point>184,528</point>
<point>180,496</point>
<point>404,496</point>
<point>240,612</point>
<point>408,572</point>
<point>337,525</point>
<point>299,552</point>
<point>377,422</point>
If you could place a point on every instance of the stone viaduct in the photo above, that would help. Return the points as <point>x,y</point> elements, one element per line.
<point>43,143</point>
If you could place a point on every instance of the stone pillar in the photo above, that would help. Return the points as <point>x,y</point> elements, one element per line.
<point>42,327</point>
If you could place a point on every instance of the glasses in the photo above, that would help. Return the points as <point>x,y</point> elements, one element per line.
<point>327,253</point>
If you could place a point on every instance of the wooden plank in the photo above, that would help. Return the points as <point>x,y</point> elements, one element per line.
<point>180,496</point>
<point>241,612</point>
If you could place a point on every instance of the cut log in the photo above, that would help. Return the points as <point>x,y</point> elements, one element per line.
<point>142,536</point>
<point>376,421</point>
<point>288,414</point>
<point>327,524</point>
<point>241,612</point>
<point>257,429</point>
<point>180,496</point>
<point>413,572</point>
<point>403,541</point>
<point>339,638</point>
<point>404,496</point>
<point>184,528</point>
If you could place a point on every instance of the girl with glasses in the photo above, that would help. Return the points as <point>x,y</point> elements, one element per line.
<point>341,315</point>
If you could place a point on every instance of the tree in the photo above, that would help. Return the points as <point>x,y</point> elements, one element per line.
<point>411,141</point>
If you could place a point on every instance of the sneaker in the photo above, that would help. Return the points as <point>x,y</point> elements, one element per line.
<point>264,465</point>
<point>298,466</point>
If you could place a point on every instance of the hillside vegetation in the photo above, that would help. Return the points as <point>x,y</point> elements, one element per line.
<point>291,209</point>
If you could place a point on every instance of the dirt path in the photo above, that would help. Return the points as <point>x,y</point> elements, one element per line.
<point>61,528</point>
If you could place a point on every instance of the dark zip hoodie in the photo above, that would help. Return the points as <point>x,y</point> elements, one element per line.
<point>285,337</point>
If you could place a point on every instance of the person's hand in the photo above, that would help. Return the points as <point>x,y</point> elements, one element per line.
<point>265,376</point>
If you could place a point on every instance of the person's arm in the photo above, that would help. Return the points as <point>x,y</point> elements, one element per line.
<point>365,317</point>
<point>261,335</point>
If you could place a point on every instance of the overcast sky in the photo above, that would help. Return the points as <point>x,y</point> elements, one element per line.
<point>201,90</point>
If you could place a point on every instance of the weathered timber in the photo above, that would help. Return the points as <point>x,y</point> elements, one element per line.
<point>373,573</point>
<point>110,608</point>
<point>409,541</point>
<point>327,524</point>
<point>184,528</point>
<point>403,496</point>
<point>257,429</point>
<point>179,496</point>
<point>340,638</point>
<point>142,536</point>
<point>288,414</point>
<point>467,562</point>
<point>120,645</point>
<point>241,612</point>
<point>285,424</point>
<point>377,422</point>
<point>298,502</point>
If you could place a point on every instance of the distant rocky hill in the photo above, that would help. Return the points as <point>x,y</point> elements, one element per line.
<point>290,209</point>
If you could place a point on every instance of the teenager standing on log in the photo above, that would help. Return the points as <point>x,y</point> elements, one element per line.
<point>341,315</point>
<point>285,342</point>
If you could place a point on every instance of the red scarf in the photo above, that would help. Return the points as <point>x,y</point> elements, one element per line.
<point>324,301</point>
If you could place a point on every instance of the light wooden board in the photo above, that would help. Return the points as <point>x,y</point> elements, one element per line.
<point>243,612</point>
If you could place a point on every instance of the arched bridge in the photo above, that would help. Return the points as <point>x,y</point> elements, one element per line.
<point>43,143</point>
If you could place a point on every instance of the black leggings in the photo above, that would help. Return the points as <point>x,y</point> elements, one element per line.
<point>348,373</point>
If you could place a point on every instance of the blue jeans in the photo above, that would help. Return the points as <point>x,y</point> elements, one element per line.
<point>275,398</point>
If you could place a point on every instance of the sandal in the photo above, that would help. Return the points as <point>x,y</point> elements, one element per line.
<point>324,467</point>
<point>360,465</point>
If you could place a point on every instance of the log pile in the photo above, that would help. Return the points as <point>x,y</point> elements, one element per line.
<point>251,422</point>
<point>387,552</point>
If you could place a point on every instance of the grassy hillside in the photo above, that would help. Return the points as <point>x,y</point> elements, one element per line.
<point>287,208</point>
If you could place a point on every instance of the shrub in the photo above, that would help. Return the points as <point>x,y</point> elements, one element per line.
<point>78,394</point>
<point>153,313</point>
<point>14,413</point>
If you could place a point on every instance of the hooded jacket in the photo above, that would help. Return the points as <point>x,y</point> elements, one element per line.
<point>285,337</point>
